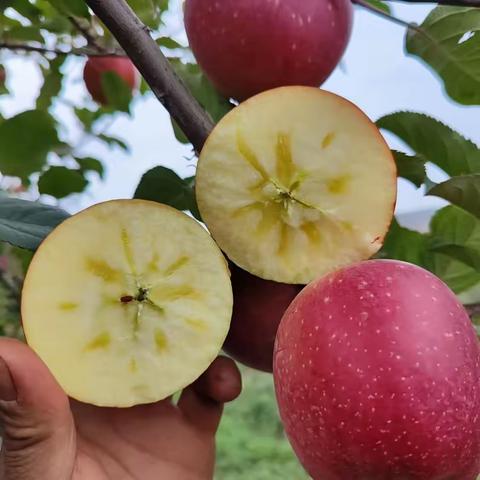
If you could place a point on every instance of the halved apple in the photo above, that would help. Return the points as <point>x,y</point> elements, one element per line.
<point>295,182</point>
<point>127,302</point>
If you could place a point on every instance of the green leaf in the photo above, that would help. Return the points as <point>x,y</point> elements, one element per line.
<point>25,142</point>
<point>379,4</point>
<point>77,8</point>
<point>52,83</point>
<point>434,142</point>
<point>26,224</point>
<point>454,230</point>
<point>450,45</point>
<point>404,244</point>
<point>89,117</point>
<point>60,182</point>
<point>201,88</point>
<point>411,168</point>
<point>27,9</point>
<point>89,164</point>
<point>148,11</point>
<point>164,186</point>
<point>117,92</point>
<point>23,33</point>
<point>114,142</point>
<point>462,191</point>
<point>169,43</point>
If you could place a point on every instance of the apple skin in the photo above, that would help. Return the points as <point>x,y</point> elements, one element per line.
<point>377,375</point>
<point>258,307</point>
<point>248,46</point>
<point>3,75</point>
<point>95,67</point>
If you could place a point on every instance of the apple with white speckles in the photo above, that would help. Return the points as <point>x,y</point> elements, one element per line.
<point>258,307</point>
<point>377,375</point>
<point>248,46</point>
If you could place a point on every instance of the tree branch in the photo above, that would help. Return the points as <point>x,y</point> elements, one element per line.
<point>473,309</point>
<point>91,38</point>
<point>388,16</point>
<point>134,37</point>
<point>55,51</point>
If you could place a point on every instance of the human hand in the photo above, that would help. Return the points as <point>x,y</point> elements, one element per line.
<point>49,437</point>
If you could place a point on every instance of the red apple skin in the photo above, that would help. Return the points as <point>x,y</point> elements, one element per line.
<point>248,46</point>
<point>258,307</point>
<point>377,375</point>
<point>95,67</point>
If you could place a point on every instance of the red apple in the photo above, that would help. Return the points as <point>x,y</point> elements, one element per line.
<point>377,374</point>
<point>258,307</point>
<point>249,46</point>
<point>96,67</point>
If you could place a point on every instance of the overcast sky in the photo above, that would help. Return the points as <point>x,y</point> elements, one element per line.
<point>375,74</point>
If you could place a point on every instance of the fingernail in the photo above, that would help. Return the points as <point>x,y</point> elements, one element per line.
<point>8,392</point>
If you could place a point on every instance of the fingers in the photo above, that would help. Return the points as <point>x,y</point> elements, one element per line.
<point>38,430</point>
<point>202,402</point>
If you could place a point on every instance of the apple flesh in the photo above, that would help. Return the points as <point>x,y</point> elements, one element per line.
<point>246,47</point>
<point>258,307</point>
<point>296,182</point>
<point>377,375</point>
<point>127,302</point>
<point>96,67</point>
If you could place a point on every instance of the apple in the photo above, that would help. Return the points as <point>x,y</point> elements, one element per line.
<point>3,75</point>
<point>96,67</point>
<point>258,307</point>
<point>127,302</point>
<point>377,376</point>
<point>295,182</point>
<point>246,47</point>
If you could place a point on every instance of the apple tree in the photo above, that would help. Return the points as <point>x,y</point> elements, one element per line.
<point>40,157</point>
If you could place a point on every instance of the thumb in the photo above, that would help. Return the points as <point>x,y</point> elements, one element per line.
<point>202,402</point>
<point>38,429</point>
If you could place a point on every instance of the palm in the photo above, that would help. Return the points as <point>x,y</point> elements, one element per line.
<point>48,437</point>
<point>147,442</point>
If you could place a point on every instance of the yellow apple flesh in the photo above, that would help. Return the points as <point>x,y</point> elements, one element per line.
<point>127,302</point>
<point>295,182</point>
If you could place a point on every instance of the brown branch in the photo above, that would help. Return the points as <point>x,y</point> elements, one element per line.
<point>134,37</point>
<point>55,51</point>
<point>91,38</point>
<point>473,309</point>
<point>388,16</point>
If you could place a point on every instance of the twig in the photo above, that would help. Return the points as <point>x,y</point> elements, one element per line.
<point>134,37</point>
<point>388,16</point>
<point>55,51</point>
<point>473,309</point>
<point>92,40</point>
<point>452,3</point>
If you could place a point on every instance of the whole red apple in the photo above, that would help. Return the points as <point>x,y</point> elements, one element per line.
<point>96,67</point>
<point>377,374</point>
<point>258,307</point>
<point>249,46</point>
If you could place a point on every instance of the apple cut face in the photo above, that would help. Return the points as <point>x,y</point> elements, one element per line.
<point>127,302</point>
<point>296,182</point>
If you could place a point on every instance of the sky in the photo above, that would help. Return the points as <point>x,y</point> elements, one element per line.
<point>375,74</point>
